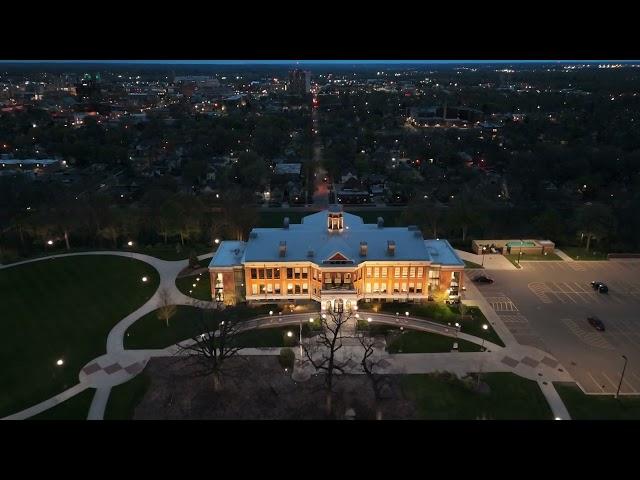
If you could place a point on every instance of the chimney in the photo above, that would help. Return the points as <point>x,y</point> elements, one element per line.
<point>285,224</point>
<point>363,249</point>
<point>283,248</point>
<point>380,222</point>
<point>391,248</point>
<point>310,253</point>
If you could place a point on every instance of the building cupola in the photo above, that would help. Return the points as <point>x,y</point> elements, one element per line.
<point>335,219</point>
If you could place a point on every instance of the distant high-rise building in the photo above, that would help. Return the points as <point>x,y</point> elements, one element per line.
<point>299,82</point>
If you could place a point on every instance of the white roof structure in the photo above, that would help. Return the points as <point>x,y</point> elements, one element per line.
<point>312,241</point>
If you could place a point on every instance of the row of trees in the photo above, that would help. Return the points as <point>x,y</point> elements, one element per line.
<point>471,215</point>
<point>160,217</point>
<point>215,341</point>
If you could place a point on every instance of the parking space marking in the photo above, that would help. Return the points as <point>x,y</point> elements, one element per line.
<point>596,382</point>
<point>593,339</point>
<point>613,384</point>
<point>576,266</point>
<point>540,290</point>
<point>502,304</point>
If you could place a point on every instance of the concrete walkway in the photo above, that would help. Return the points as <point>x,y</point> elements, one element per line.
<point>119,365</point>
<point>563,255</point>
<point>492,261</point>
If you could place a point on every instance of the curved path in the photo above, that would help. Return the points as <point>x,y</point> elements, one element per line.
<point>119,365</point>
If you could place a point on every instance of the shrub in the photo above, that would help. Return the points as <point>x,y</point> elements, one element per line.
<point>286,358</point>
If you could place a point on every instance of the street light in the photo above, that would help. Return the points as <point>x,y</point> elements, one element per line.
<point>144,279</point>
<point>484,249</point>
<point>130,243</point>
<point>60,362</point>
<point>622,375</point>
<point>484,327</point>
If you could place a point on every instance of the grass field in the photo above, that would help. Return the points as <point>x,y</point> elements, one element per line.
<point>444,398</point>
<point>124,398</point>
<point>468,264</point>
<point>74,408</point>
<point>151,332</point>
<point>202,289</point>
<point>413,341</point>
<point>580,253</point>
<point>471,323</point>
<point>597,407</point>
<point>530,257</point>
<point>62,309</point>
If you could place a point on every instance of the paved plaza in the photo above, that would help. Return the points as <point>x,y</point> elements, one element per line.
<point>546,305</point>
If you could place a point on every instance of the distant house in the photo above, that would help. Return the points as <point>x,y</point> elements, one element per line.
<point>348,176</point>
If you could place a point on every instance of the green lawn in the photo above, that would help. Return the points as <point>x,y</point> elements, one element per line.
<point>74,408</point>
<point>580,253</point>
<point>513,257</point>
<point>124,398</point>
<point>444,314</point>
<point>511,398</point>
<point>413,341</point>
<point>468,264</point>
<point>202,289</point>
<point>63,309</point>
<point>172,251</point>
<point>151,332</point>
<point>597,407</point>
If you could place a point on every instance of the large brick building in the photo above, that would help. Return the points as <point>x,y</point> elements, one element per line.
<point>335,259</point>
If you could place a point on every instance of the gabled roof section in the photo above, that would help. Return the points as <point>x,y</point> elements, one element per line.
<point>338,257</point>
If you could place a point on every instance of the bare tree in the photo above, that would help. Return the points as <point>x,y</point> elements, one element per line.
<point>322,349</point>
<point>211,347</point>
<point>369,367</point>
<point>166,309</point>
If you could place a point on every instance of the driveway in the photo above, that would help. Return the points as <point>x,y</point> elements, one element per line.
<point>546,304</point>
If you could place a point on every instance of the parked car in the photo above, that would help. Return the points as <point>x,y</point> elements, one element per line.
<point>599,286</point>
<point>483,279</point>
<point>596,323</point>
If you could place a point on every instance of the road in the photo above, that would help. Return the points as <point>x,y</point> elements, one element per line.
<point>546,305</point>
<point>321,188</point>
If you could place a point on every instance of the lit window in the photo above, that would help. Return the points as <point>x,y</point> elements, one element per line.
<point>368,287</point>
<point>384,272</point>
<point>368,272</point>
<point>404,287</point>
<point>376,272</point>
<point>254,289</point>
<point>412,272</point>
<point>396,272</point>
<point>290,288</point>
<point>405,271</point>
<point>305,288</point>
<point>419,274</point>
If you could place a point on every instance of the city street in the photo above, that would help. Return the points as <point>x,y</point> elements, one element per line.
<point>546,304</point>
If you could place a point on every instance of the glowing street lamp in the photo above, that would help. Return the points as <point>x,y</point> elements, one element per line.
<point>270,312</point>
<point>484,327</point>
<point>50,242</point>
<point>216,241</point>
<point>130,243</point>
<point>60,362</point>
<point>289,334</point>
<point>144,279</point>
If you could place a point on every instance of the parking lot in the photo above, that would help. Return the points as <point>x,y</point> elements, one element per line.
<point>546,304</point>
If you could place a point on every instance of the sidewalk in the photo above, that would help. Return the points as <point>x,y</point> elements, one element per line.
<point>492,261</point>
<point>563,256</point>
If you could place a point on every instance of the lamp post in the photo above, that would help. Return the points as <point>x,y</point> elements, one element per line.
<point>622,375</point>
<point>484,249</point>
<point>484,327</point>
